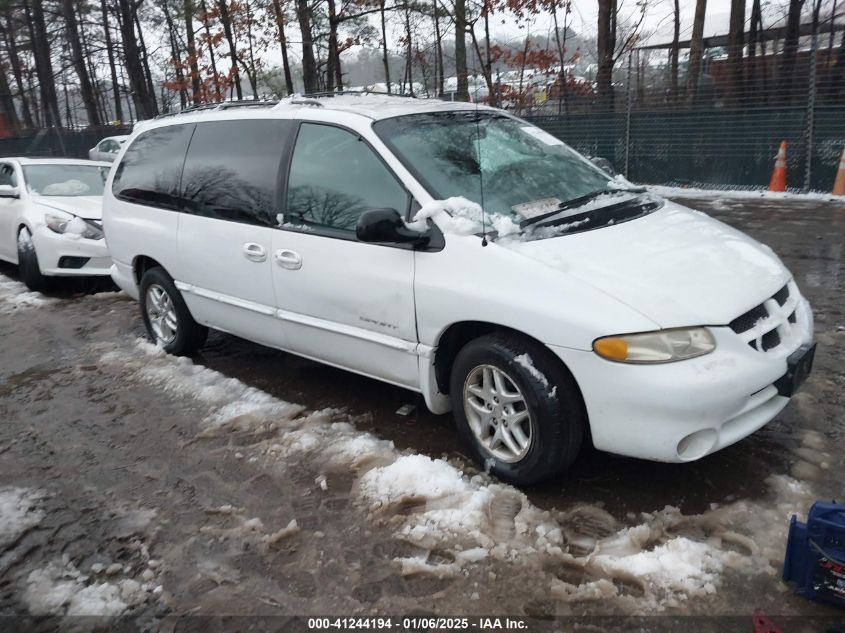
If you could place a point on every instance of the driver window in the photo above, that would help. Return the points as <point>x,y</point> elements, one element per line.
<point>334,177</point>
<point>7,175</point>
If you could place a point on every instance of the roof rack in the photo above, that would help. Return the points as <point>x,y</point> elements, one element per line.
<point>356,93</point>
<point>221,105</point>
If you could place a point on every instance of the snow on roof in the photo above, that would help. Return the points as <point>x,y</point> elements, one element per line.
<point>374,106</point>
<point>24,160</point>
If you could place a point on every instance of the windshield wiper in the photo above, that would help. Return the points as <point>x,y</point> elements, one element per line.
<point>577,202</point>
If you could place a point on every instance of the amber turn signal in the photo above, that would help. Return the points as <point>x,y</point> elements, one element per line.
<point>611,348</point>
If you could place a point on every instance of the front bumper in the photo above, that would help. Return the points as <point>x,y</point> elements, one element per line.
<point>679,412</point>
<point>70,256</point>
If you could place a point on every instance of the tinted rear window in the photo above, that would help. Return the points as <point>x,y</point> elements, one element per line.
<point>232,170</point>
<point>152,167</point>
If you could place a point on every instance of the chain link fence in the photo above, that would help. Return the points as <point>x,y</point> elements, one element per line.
<point>55,142</point>
<point>725,132</point>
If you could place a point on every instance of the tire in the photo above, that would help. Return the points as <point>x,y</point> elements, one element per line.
<point>166,317</point>
<point>28,266</point>
<point>548,438</point>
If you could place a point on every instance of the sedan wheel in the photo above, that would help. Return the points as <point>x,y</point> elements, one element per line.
<point>497,413</point>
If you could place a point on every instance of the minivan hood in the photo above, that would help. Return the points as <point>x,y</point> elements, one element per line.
<point>87,207</point>
<point>677,266</point>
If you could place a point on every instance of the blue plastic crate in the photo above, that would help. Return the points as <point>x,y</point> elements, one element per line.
<point>815,554</point>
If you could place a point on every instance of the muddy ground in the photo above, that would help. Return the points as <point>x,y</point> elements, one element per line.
<point>129,487</point>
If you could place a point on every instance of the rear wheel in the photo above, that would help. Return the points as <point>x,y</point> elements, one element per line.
<point>28,262</point>
<point>517,407</point>
<point>166,317</point>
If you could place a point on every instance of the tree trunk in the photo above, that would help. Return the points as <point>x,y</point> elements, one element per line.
<point>205,23</point>
<point>188,7</point>
<point>332,59</point>
<point>488,78</point>
<point>145,63</point>
<point>736,42</point>
<point>562,104</point>
<point>115,86</point>
<point>696,51</point>
<point>676,36</point>
<point>85,88</point>
<point>756,78</point>
<point>461,50</point>
<point>384,57</point>
<point>409,55</point>
<point>43,64</point>
<point>102,108</point>
<point>144,101</point>
<point>787,78</point>
<point>226,21</point>
<point>7,102</point>
<point>606,44</point>
<point>283,44</point>
<point>309,64</point>
<point>176,55</point>
<point>438,53</point>
<point>251,68</point>
<point>10,35</point>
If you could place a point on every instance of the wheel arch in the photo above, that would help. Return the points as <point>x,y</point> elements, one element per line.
<point>457,335</point>
<point>141,264</point>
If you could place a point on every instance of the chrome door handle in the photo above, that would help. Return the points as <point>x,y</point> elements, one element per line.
<point>288,259</point>
<point>255,252</point>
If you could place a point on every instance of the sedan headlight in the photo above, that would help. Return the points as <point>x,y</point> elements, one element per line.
<point>663,346</point>
<point>72,226</point>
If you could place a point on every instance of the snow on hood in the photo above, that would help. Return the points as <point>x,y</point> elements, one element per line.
<point>677,266</point>
<point>88,207</point>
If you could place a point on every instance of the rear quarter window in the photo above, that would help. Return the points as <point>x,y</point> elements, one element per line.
<point>151,169</point>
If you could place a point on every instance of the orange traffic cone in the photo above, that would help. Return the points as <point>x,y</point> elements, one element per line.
<point>839,183</point>
<point>778,181</point>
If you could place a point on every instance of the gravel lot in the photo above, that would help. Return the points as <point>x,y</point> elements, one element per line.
<point>251,482</point>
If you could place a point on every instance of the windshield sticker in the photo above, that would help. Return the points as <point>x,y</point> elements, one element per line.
<point>541,135</point>
<point>534,208</point>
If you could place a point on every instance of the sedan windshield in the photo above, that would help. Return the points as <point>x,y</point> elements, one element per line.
<point>65,180</point>
<point>527,173</point>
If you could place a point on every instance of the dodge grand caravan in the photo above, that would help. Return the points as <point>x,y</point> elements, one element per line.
<point>349,230</point>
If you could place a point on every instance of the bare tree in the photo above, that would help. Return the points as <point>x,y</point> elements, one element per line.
<point>696,50</point>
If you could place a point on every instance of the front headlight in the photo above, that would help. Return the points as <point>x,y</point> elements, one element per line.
<point>71,225</point>
<point>663,346</point>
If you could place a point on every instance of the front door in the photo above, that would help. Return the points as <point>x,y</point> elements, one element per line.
<point>344,302</point>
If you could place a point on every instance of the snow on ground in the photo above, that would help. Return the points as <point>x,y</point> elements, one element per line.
<point>693,192</point>
<point>19,512</point>
<point>667,556</point>
<point>14,296</point>
<point>59,588</point>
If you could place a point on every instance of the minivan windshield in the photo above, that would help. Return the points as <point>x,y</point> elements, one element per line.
<point>65,179</point>
<point>527,173</point>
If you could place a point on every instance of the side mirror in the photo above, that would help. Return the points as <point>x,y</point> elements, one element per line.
<point>603,164</point>
<point>386,226</point>
<point>8,191</point>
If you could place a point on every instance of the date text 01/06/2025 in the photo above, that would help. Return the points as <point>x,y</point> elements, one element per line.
<point>422,623</point>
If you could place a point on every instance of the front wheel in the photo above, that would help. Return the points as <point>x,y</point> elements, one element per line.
<point>28,262</point>
<point>166,317</point>
<point>517,407</point>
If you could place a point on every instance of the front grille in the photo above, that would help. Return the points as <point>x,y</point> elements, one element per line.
<point>745,322</point>
<point>759,327</point>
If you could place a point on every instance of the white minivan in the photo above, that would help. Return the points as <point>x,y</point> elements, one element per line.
<point>348,230</point>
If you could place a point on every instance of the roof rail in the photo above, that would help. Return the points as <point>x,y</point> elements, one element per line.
<point>220,105</point>
<point>356,93</point>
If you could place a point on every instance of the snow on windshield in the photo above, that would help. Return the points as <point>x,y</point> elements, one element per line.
<point>65,179</point>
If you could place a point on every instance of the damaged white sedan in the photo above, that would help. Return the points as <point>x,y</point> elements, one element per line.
<point>51,218</point>
<point>348,229</point>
